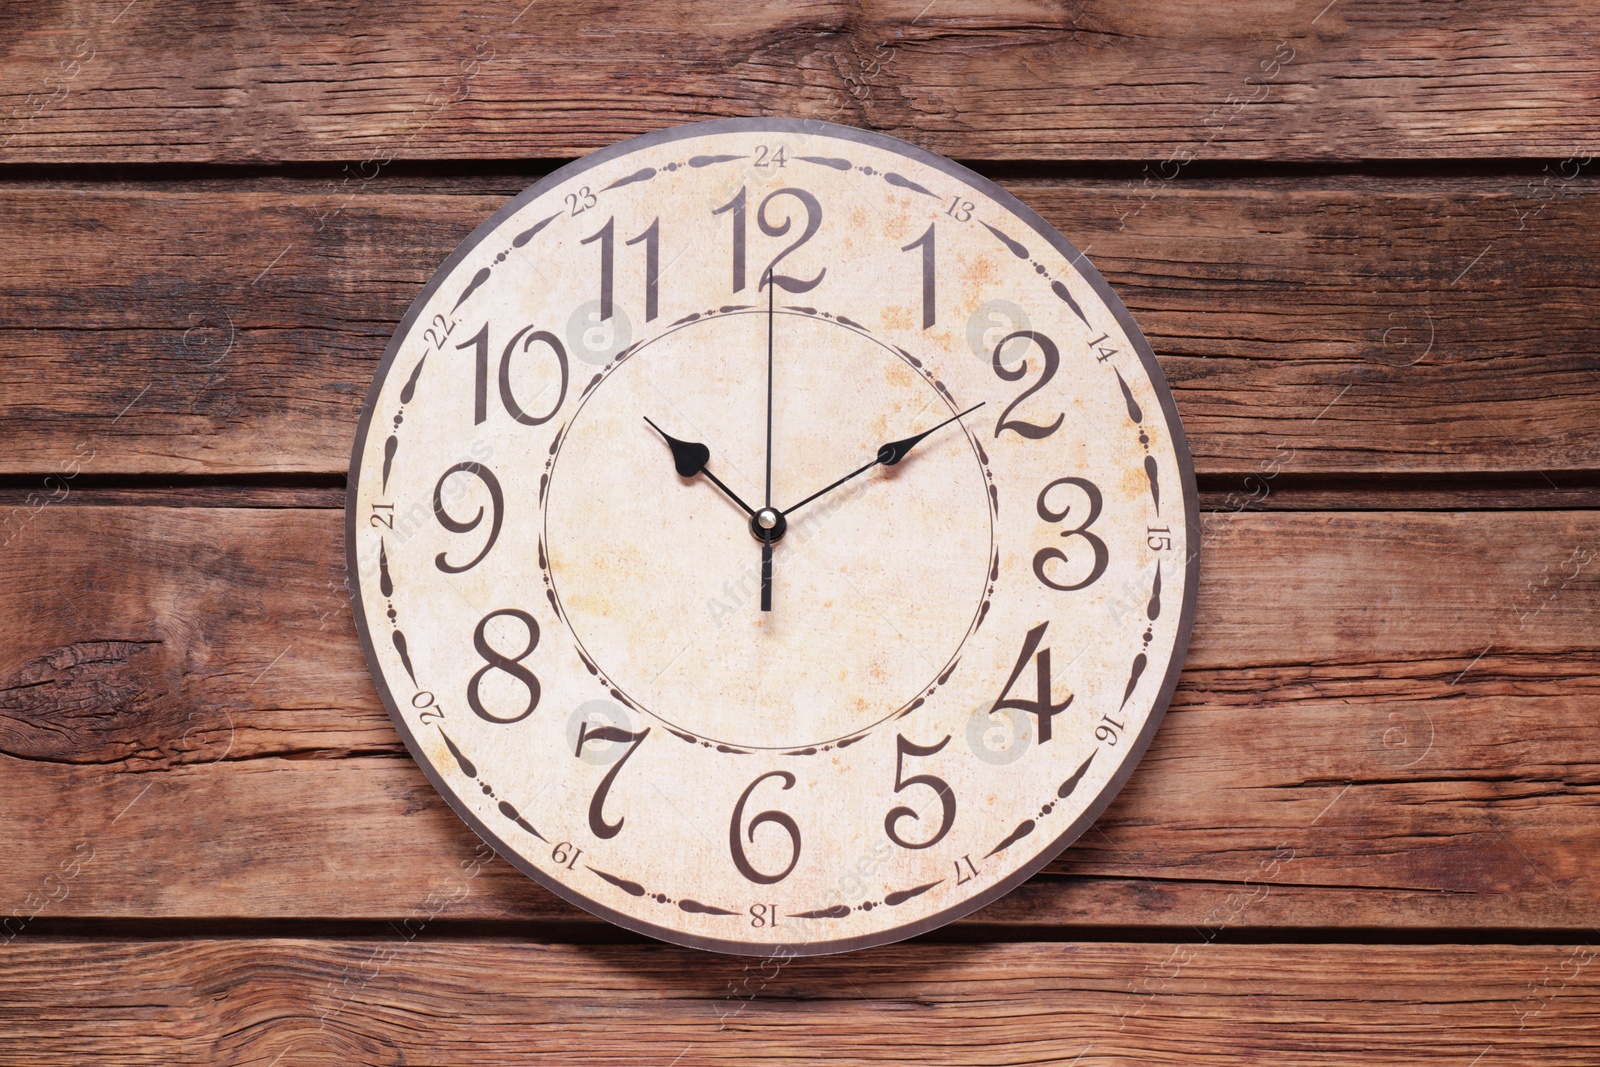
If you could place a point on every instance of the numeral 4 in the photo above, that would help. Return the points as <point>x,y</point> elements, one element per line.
<point>1041,707</point>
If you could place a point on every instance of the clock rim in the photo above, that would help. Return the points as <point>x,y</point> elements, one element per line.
<point>1107,296</point>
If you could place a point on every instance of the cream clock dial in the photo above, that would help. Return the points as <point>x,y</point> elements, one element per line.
<point>772,537</point>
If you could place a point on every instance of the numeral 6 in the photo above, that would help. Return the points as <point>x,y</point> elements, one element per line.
<point>736,846</point>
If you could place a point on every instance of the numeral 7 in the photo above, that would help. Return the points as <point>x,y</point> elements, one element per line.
<point>597,819</point>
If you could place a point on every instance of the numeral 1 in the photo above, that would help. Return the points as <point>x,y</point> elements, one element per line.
<point>606,236</point>
<point>737,206</point>
<point>652,265</point>
<point>479,343</point>
<point>925,242</point>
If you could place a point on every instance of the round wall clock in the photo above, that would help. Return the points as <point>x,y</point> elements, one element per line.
<point>772,537</point>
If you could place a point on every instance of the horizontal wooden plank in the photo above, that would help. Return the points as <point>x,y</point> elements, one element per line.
<point>1526,491</point>
<point>1387,719</point>
<point>399,1001</point>
<point>1344,325</point>
<point>1019,79</point>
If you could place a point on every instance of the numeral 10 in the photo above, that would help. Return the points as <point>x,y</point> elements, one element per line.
<point>479,343</point>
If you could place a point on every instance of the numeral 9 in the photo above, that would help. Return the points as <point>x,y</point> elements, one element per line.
<point>497,513</point>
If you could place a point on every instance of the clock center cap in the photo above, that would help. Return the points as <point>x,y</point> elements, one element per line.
<point>768,524</point>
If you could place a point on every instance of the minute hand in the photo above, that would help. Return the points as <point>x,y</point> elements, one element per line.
<point>888,456</point>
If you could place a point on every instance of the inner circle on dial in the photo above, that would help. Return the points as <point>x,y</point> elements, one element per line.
<point>876,584</point>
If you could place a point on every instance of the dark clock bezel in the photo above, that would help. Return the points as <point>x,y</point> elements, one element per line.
<point>802,127</point>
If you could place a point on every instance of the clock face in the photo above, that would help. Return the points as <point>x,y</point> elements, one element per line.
<point>772,537</point>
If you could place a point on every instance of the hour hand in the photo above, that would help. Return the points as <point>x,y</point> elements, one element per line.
<point>690,458</point>
<point>895,451</point>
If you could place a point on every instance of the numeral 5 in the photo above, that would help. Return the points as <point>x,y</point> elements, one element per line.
<point>947,797</point>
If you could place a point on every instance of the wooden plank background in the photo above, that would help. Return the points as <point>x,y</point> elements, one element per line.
<point>1360,238</point>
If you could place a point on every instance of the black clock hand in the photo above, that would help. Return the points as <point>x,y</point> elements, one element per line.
<point>767,520</point>
<point>690,458</point>
<point>888,456</point>
<point>771,308</point>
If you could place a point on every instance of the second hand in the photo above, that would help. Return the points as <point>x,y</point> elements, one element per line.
<point>766,539</point>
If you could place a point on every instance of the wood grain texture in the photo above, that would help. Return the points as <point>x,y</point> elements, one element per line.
<point>1387,720</point>
<point>236,1002</point>
<point>1308,327</point>
<point>1389,724</point>
<point>1020,79</point>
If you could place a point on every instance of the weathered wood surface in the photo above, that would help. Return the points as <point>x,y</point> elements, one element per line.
<point>1389,727</point>
<point>1387,720</point>
<point>395,1001</point>
<point>1522,491</point>
<point>1308,326</point>
<point>1251,79</point>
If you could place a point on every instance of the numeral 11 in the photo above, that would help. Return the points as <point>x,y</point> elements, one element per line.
<point>651,239</point>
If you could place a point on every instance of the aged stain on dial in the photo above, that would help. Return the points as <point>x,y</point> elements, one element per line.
<point>772,537</point>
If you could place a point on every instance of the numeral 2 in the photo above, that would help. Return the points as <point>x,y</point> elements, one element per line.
<point>1052,362</point>
<point>813,221</point>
